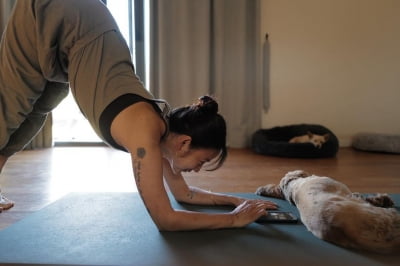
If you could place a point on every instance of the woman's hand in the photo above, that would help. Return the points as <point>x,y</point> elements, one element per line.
<point>269,204</point>
<point>250,210</point>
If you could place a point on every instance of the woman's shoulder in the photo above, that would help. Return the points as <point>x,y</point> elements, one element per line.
<point>139,122</point>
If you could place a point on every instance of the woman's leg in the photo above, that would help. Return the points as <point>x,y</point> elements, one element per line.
<point>5,203</point>
<point>3,160</point>
<point>53,94</point>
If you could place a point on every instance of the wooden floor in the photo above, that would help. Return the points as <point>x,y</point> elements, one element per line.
<point>34,179</point>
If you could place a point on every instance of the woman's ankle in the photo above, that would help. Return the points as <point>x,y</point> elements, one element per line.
<point>3,160</point>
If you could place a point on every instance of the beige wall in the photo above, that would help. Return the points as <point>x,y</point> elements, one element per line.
<point>334,63</point>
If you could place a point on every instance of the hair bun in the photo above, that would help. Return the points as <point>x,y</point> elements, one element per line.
<point>207,105</point>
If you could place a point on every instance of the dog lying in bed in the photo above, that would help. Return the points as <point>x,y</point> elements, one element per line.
<point>333,213</point>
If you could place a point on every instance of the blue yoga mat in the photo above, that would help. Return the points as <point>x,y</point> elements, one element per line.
<point>115,229</point>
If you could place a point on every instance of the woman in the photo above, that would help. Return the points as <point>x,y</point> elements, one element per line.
<point>51,45</point>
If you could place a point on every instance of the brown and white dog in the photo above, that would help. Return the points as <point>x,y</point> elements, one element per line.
<point>333,213</point>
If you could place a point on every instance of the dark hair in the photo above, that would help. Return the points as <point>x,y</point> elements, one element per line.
<point>203,124</point>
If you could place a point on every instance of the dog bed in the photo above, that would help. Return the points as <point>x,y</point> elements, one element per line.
<point>377,142</point>
<point>275,142</point>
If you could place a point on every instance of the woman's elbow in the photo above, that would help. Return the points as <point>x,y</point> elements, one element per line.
<point>167,223</point>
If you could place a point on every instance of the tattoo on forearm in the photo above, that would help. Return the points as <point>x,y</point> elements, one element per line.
<point>191,193</point>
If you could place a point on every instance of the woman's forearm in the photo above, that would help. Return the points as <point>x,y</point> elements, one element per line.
<point>182,220</point>
<point>200,196</point>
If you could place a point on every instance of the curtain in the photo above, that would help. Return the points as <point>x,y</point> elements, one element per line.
<point>44,138</point>
<point>209,47</point>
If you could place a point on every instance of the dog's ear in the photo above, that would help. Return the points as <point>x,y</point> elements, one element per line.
<point>326,136</point>
<point>270,190</point>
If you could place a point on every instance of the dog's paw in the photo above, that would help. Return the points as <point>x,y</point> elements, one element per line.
<point>380,200</point>
<point>270,190</point>
<point>265,190</point>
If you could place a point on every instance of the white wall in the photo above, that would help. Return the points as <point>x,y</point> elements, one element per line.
<point>334,63</point>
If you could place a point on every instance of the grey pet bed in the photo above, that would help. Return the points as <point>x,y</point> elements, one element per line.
<point>377,142</point>
<point>275,142</point>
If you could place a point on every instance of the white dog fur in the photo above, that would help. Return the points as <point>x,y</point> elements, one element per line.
<point>333,213</point>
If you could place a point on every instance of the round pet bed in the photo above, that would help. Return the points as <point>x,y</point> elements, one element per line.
<point>377,142</point>
<point>275,142</point>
